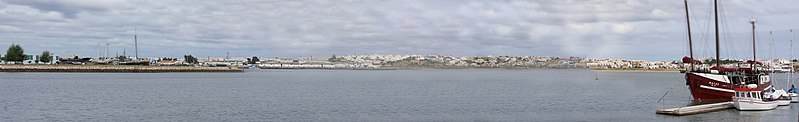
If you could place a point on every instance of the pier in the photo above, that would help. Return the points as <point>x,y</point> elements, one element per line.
<point>112,68</point>
<point>695,109</point>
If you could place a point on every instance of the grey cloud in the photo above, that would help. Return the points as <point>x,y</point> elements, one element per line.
<point>592,28</point>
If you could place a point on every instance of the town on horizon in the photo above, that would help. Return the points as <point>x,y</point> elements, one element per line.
<point>366,61</point>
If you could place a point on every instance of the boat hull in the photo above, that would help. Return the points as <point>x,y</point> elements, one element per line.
<point>783,102</point>
<point>712,88</point>
<point>754,105</point>
<point>709,88</point>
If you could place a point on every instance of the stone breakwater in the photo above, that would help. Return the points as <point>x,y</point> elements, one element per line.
<point>111,68</point>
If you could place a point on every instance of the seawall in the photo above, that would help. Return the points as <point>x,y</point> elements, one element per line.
<point>112,68</point>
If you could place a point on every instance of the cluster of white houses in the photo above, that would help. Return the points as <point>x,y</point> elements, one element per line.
<point>631,64</point>
<point>33,59</point>
<point>776,65</point>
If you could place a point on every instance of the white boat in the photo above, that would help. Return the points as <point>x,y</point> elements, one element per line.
<point>782,97</point>
<point>750,100</point>
<point>794,97</point>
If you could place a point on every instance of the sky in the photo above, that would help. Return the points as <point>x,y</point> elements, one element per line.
<point>628,29</point>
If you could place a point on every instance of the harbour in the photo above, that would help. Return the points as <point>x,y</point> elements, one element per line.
<point>399,61</point>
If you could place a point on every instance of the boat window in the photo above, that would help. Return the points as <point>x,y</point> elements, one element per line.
<point>757,95</point>
<point>735,79</point>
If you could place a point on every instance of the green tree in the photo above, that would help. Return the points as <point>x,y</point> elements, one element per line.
<point>254,60</point>
<point>45,57</point>
<point>15,53</point>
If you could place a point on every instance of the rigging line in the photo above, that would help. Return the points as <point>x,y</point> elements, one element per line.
<point>728,51</point>
<point>710,30</point>
<point>773,52</point>
<point>687,48</point>
<point>727,37</point>
<point>790,60</point>
<point>691,12</point>
<point>706,36</point>
<point>722,31</point>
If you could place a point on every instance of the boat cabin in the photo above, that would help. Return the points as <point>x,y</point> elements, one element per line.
<point>751,95</point>
<point>741,79</point>
<point>752,99</point>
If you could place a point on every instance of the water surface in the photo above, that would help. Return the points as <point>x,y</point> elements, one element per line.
<point>347,95</point>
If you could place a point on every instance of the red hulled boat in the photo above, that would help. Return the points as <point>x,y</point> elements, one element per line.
<point>716,84</point>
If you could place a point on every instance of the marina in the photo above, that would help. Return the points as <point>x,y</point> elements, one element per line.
<point>745,86</point>
<point>398,61</point>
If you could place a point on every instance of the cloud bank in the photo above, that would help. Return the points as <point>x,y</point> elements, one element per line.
<point>635,29</point>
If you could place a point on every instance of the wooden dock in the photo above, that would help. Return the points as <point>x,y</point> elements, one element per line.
<point>696,109</point>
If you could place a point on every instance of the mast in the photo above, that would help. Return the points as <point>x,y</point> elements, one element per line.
<point>716,13</point>
<point>754,47</point>
<point>106,49</point>
<point>690,42</point>
<point>136,42</point>
<point>790,60</point>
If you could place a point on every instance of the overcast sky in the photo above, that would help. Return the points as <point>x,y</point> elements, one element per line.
<point>631,29</point>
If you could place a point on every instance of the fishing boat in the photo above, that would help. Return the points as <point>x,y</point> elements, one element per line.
<point>750,99</point>
<point>73,59</point>
<point>715,84</point>
<point>135,62</point>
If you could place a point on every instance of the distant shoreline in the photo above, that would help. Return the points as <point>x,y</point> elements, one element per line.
<point>112,68</point>
<point>159,69</point>
<point>634,70</point>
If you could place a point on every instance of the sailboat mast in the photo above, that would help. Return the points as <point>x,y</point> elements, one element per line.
<point>690,42</point>
<point>716,13</point>
<point>790,60</point>
<point>136,42</point>
<point>754,47</point>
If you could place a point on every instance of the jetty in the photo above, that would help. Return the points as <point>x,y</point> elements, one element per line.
<point>112,68</point>
<point>696,109</point>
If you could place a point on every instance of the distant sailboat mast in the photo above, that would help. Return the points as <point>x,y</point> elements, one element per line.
<point>136,42</point>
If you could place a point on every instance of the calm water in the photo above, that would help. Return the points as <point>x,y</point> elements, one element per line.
<point>342,95</point>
